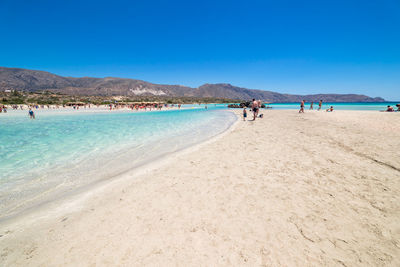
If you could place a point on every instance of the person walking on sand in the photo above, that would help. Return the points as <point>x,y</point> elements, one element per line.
<point>254,107</point>
<point>320,105</point>
<point>312,106</point>
<point>244,114</point>
<point>302,106</point>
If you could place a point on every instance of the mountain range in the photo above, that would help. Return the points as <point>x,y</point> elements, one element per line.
<point>33,81</point>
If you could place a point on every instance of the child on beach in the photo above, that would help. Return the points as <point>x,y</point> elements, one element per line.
<point>244,114</point>
<point>330,109</point>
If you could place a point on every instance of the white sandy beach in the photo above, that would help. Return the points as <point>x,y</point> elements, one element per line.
<point>313,189</point>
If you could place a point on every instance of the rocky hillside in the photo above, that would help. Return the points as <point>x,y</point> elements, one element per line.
<point>32,80</point>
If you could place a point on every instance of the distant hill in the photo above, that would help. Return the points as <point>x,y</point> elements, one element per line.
<point>32,80</point>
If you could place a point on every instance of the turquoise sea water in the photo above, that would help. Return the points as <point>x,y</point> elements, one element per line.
<point>373,106</point>
<point>61,151</point>
<point>64,149</point>
<point>338,106</point>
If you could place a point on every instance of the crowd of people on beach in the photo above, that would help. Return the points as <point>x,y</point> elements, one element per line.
<point>80,105</point>
<point>256,105</point>
<point>330,109</point>
<point>144,106</point>
<point>303,102</point>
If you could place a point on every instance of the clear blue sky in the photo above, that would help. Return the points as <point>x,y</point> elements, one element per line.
<point>298,47</point>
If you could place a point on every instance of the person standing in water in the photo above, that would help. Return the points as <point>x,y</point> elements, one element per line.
<point>31,114</point>
<point>320,105</point>
<point>302,106</point>
<point>312,105</point>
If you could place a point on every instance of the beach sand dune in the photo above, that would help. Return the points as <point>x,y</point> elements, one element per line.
<point>287,190</point>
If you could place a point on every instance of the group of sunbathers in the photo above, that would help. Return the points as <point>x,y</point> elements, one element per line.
<point>391,109</point>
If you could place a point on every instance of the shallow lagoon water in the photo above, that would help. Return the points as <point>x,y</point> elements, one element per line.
<point>373,106</point>
<point>61,151</point>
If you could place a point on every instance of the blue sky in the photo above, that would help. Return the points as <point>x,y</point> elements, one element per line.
<point>300,47</point>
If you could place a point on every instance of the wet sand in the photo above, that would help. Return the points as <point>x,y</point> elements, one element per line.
<point>289,189</point>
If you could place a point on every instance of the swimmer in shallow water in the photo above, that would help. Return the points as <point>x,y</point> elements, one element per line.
<point>31,114</point>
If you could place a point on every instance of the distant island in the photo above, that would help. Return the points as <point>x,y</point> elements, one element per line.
<point>25,85</point>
